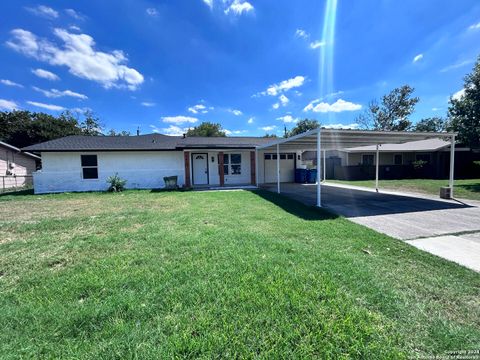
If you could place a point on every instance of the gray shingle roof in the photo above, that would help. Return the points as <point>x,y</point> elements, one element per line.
<point>143,142</point>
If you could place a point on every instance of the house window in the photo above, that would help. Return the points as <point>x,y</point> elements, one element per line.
<point>368,159</point>
<point>268,157</point>
<point>89,166</point>
<point>423,157</point>
<point>397,159</point>
<point>232,164</point>
<point>290,156</point>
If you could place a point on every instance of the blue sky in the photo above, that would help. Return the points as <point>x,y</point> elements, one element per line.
<point>252,66</point>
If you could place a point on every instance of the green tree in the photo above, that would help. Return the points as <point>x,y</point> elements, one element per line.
<point>113,132</point>
<point>464,111</point>
<point>207,129</point>
<point>432,124</point>
<point>303,126</point>
<point>267,135</point>
<point>392,113</point>
<point>91,125</point>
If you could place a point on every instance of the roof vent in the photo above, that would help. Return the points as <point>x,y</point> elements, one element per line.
<point>138,130</point>
<point>184,136</point>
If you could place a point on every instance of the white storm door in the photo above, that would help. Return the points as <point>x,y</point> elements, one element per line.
<point>200,169</point>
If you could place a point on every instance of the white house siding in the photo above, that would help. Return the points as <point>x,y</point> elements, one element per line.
<point>62,171</point>
<point>15,168</point>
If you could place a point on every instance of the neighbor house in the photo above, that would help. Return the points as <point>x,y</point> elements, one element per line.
<point>428,158</point>
<point>83,163</point>
<point>16,167</point>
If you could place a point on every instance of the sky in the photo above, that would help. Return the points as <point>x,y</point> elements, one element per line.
<point>253,66</point>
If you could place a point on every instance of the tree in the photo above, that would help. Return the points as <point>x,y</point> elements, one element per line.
<point>207,129</point>
<point>91,125</point>
<point>432,124</point>
<point>267,135</point>
<point>464,111</point>
<point>392,113</point>
<point>303,126</point>
<point>113,132</point>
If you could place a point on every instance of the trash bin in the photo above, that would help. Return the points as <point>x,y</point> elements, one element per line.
<point>312,176</point>
<point>301,175</point>
<point>170,182</point>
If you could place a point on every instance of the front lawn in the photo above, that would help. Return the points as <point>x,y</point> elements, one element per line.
<point>218,274</point>
<point>462,189</point>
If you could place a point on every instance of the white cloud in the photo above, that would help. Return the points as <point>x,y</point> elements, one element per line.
<point>54,93</point>
<point>283,100</point>
<point>234,132</point>
<point>79,56</point>
<point>269,128</point>
<point>317,44</point>
<point>342,126</point>
<point>338,106</point>
<point>436,109</point>
<point>474,26</point>
<point>179,119</point>
<point>458,95</point>
<point>285,85</point>
<point>238,7</point>
<point>7,105</point>
<point>46,106</point>
<point>302,34</point>
<point>148,104</point>
<point>199,108</point>
<point>152,12</point>
<point>288,119</point>
<point>276,106</point>
<point>172,130</point>
<point>44,11</point>
<point>235,112</point>
<point>75,14</point>
<point>10,83</point>
<point>250,121</point>
<point>209,3</point>
<point>456,65</point>
<point>418,58</point>
<point>44,74</point>
<point>74,28</point>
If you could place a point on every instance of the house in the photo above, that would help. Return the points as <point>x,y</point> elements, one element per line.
<point>416,159</point>
<point>16,167</point>
<point>83,163</point>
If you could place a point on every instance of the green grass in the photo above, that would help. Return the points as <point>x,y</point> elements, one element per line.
<point>463,189</point>
<point>218,274</point>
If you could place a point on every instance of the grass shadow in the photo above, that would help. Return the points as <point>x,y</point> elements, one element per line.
<point>17,193</point>
<point>295,207</point>
<point>470,187</point>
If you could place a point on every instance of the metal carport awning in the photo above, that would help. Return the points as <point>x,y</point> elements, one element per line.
<point>334,139</point>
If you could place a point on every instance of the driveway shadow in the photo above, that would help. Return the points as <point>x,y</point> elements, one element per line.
<point>295,207</point>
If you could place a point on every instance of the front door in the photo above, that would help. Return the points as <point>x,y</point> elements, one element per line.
<point>200,169</point>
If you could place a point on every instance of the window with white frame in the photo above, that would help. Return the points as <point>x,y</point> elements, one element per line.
<point>232,164</point>
<point>89,166</point>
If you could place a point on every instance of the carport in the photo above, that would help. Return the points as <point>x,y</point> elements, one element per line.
<point>322,140</point>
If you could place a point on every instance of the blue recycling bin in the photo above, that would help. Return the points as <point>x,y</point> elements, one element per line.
<point>301,175</point>
<point>312,176</point>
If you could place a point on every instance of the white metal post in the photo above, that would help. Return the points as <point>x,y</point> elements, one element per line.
<point>377,161</point>
<point>256,167</point>
<point>324,165</point>
<point>452,164</point>
<point>319,167</point>
<point>278,168</point>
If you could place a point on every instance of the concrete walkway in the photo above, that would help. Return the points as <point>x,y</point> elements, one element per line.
<point>446,228</point>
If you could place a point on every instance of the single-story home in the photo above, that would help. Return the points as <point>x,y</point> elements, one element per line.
<point>16,167</point>
<point>83,163</point>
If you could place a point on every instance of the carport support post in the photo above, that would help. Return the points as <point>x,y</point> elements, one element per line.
<point>278,168</point>
<point>324,165</point>
<point>452,164</point>
<point>319,172</point>
<point>377,161</point>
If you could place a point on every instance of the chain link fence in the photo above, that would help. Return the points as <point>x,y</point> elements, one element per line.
<point>10,183</point>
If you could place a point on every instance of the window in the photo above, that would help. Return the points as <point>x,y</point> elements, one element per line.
<point>89,166</point>
<point>268,157</point>
<point>423,157</point>
<point>368,159</point>
<point>398,159</point>
<point>232,164</point>
<point>290,156</point>
<point>283,156</point>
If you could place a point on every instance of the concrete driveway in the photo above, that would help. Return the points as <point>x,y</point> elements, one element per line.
<point>446,228</point>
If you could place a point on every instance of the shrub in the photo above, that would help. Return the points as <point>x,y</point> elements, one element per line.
<point>418,164</point>
<point>117,184</point>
